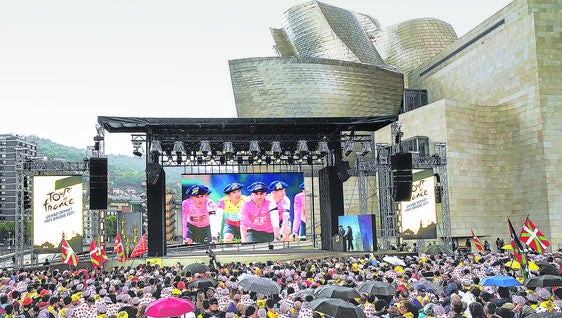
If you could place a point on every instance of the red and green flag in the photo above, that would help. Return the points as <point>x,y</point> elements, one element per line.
<point>477,241</point>
<point>534,238</point>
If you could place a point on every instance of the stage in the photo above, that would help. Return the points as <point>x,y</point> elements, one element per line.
<point>248,253</point>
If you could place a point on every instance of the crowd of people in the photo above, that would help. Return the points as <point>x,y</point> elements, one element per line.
<point>423,286</point>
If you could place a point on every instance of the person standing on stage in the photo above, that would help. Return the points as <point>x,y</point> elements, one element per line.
<point>280,203</point>
<point>230,206</point>
<point>349,238</point>
<point>257,222</point>
<point>299,214</point>
<point>198,213</point>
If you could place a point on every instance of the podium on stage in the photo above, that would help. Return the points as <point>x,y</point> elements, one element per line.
<point>338,243</point>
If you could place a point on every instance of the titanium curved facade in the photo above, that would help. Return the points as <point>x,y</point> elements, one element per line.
<point>319,30</point>
<point>312,87</point>
<point>409,44</point>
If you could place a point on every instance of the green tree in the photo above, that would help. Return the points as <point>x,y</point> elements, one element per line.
<point>111,226</point>
<point>7,231</point>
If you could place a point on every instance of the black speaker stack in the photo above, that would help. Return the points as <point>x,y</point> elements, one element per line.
<point>331,204</point>
<point>401,164</point>
<point>98,183</point>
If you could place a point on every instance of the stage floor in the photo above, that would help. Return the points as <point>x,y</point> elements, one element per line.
<point>227,253</point>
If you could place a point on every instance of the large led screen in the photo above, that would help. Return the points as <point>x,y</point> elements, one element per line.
<point>57,213</point>
<point>362,228</point>
<point>240,216</point>
<point>419,216</point>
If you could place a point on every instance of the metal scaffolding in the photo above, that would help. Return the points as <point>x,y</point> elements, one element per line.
<point>438,163</point>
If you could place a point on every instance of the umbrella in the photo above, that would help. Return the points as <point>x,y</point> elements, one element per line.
<point>547,268</point>
<point>438,249</point>
<point>377,288</point>
<point>543,281</point>
<point>336,291</point>
<point>169,307</point>
<point>337,308</point>
<point>259,284</point>
<point>500,281</point>
<point>516,265</point>
<point>203,283</point>
<point>394,260</point>
<point>196,268</point>
<point>545,314</point>
<point>507,247</point>
<point>305,292</point>
<point>429,286</point>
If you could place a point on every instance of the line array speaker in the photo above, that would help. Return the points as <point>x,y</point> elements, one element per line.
<point>401,161</point>
<point>402,185</point>
<point>98,183</point>
<point>401,164</point>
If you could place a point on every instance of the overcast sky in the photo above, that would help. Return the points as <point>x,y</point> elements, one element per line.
<point>63,63</point>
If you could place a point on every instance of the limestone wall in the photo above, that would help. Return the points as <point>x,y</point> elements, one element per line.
<point>502,120</point>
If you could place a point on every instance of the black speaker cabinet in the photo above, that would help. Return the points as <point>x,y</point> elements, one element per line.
<point>98,183</point>
<point>401,161</point>
<point>402,185</point>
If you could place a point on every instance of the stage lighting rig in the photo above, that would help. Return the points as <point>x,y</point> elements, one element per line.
<point>302,147</point>
<point>254,147</point>
<point>323,148</point>
<point>276,149</point>
<point>205,147</point>
<point>155,150</point>
<point>365,148</point>
<point>179,151</point>
<point>227,148</point>
<point>137,141</point>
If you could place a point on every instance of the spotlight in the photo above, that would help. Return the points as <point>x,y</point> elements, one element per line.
<point>179,150</point>
<point>348,148</point>
<point>205,147</point>
<point>155,147</point>
<point>254,147</point>
<point>365,148</point>
<point>227,148</point>
<point>302,147</point>
<point>137,145</point>
<point>276,148</point>
<point>323,147</point>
